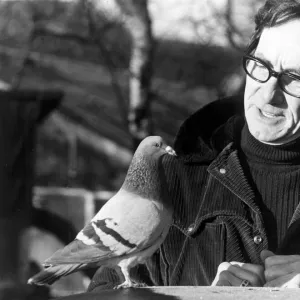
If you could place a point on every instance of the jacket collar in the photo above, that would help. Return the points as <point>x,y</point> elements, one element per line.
<point>197,149</point>
<point>206,132</point>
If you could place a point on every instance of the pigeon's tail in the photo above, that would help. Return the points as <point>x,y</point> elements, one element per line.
<point>53,273</point>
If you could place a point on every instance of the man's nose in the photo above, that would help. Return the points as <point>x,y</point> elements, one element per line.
<point>272,93</point>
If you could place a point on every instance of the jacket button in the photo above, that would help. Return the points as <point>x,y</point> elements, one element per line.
<point>222,171</point>
<point>257,239</point>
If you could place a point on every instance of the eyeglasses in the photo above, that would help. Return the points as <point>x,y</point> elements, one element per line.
<point>259,70</point>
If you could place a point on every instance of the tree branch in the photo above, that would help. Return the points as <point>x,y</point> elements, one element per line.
<point>93,32</point>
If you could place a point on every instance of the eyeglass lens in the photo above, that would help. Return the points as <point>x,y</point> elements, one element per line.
<point>259,72</point>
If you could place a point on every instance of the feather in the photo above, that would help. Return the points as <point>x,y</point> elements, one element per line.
<point>51,274</point>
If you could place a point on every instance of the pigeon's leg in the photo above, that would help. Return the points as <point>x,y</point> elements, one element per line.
<point>128,282</point>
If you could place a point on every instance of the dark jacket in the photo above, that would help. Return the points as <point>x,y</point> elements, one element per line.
<point>216,217</point>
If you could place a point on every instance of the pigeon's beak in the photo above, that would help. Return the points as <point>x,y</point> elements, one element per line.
<point>170,151</point>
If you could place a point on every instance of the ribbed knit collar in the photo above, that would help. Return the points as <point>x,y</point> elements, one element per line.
<point>259,152</point>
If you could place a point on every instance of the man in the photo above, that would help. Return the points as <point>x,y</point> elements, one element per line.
<point>235,187</point>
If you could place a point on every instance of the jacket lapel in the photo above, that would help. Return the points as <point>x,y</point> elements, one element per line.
<point>227,169</point>
<point>226,193</point>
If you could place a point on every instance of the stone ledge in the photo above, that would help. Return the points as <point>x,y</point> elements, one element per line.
<point>191,293</point>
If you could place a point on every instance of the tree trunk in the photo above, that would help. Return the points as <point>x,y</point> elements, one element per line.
<point>138,23</point>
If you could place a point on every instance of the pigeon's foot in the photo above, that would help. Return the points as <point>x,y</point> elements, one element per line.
<point>130,284</point>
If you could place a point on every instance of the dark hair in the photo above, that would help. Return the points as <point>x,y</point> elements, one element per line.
<point>273,13</point>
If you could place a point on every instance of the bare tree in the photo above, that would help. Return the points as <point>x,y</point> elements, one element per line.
<point>94,35</point>
<point>233,36</point>
<point>136,112</point>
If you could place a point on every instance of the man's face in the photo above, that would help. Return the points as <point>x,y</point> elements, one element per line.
<point>272,115</point>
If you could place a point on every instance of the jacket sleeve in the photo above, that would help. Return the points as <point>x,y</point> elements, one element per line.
<point>104,278</point>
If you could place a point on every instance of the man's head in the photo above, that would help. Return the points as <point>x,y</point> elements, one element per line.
<point>272,98</point>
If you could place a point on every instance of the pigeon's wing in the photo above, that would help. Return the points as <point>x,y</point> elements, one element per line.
<point>132,222</point>
<point>86,248</point>
<point>126,224</point>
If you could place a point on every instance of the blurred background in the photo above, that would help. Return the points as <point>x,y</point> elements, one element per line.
<point>82,83</point>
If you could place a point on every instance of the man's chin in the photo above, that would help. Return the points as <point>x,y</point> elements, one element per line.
<point>275,141</point>
<point>266,137</point>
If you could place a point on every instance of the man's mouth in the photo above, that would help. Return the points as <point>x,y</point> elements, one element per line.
<point>268,115</point>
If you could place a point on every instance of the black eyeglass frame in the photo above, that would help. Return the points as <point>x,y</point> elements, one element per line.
<point>273,73</point>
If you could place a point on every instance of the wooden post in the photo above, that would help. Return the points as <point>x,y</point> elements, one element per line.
<point>21,111</point>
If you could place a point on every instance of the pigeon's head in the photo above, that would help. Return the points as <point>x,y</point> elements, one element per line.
<point>145,173</point>
<point>154,146</point>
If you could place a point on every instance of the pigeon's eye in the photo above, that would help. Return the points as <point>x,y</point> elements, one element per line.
<point>157,145</point>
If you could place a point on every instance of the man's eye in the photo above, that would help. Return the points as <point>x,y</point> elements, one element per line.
<point>291,82</point>
<point>259,71</point>
<point>258,66</point>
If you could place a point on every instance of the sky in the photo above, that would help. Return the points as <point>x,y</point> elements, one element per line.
<point>194,20</point>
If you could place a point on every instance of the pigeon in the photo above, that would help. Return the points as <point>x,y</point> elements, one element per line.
<point>128,228</point>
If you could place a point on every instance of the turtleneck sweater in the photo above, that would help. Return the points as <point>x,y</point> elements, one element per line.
<point>275,175</point>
